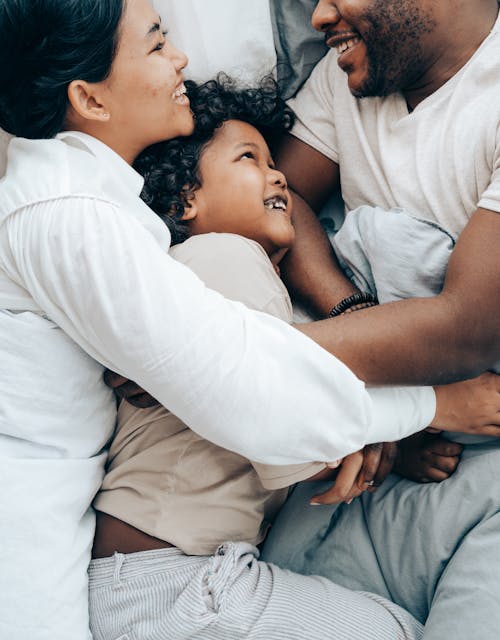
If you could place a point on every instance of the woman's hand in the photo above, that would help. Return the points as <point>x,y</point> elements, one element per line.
<point>471,406</point>
<point>361,471</point>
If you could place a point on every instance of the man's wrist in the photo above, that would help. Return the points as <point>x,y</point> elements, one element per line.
<point>354,302</point>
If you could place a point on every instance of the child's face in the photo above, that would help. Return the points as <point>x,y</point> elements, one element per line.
<point>240,191</point>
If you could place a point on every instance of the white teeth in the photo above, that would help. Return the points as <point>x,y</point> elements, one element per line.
<point>348,44</point>
<point>179,92</point>
<point>275,203</point>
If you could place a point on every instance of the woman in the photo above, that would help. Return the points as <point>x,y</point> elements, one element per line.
<point>86,282</point>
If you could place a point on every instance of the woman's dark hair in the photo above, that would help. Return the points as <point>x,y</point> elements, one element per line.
<point>44,46</point>
<point>171,168</point>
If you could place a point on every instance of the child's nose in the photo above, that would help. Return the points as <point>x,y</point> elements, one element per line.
<point>278,178</point>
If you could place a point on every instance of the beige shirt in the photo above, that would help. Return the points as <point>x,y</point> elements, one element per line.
<point>171,483</point>
<point>439,162</point>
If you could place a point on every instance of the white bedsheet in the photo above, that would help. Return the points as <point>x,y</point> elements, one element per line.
<point>235,36</point>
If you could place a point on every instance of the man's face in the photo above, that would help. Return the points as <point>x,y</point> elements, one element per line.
<point>384,46</point>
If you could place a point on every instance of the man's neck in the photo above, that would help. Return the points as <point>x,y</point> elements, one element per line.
<point>459,42</point>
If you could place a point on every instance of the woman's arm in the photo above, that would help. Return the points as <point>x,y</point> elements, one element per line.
<point>241,379</point>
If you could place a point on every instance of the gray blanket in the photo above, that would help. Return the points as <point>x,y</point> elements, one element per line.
<point>431,548</point>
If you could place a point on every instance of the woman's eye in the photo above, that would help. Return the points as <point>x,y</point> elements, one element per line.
<point>247,154</point>
<point>161,44</point>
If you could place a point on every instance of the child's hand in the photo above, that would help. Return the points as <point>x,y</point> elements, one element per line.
<point>471,406</point>
<point>426,457</point>
<point>129,390</point>
<point>360,471</point>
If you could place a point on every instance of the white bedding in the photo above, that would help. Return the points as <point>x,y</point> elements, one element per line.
<point>235,36</point>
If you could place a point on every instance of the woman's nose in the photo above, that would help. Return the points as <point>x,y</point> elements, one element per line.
<point>179,57</point>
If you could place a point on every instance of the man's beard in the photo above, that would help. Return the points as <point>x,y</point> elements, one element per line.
<point>394,47</point>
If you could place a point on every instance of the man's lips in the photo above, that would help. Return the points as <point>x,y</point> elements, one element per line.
<point>333,40</point>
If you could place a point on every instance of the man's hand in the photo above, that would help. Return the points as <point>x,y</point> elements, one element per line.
<point>360,471</point>
<point>426,457</point>
<point>128,390</point>
<point>471,406</point>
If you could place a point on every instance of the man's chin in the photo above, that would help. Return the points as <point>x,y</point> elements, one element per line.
<point>368,90</point>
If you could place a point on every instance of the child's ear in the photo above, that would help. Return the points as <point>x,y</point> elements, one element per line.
<point>192,209</point>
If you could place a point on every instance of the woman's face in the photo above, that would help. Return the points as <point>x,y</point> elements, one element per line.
<point>145,93</point>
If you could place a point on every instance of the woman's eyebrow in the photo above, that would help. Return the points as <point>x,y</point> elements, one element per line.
<point>154,28</point>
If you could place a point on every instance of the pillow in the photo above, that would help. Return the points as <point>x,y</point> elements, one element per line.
<point>234,36</point>
<point>298,45</point>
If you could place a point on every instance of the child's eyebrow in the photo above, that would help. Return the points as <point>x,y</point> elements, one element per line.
<point>246,144</point>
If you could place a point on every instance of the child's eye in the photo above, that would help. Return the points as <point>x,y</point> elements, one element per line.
<point>247,154</point>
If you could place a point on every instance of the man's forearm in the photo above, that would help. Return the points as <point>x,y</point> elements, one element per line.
<point>311,271</point>
<point>453,336</point>
<point>406,342</point>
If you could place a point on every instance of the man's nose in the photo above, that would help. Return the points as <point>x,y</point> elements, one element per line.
<point>325,15</point>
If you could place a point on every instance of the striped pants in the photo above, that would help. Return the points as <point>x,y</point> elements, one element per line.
<point>166,595</point>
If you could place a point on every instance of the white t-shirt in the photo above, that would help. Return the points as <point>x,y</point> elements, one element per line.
<point>86,282</point>
<point>440,162</point>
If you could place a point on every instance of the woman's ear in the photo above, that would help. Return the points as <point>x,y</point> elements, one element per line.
<point>85,101</point>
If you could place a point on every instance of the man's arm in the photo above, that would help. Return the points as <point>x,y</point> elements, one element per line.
<point>452,336</point>
<point>310,270</point>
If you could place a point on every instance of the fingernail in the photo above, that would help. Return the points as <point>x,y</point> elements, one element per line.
<point>315,504</point>
<point>349,501</point>
<point>370,483</point>
<point>334,464</point>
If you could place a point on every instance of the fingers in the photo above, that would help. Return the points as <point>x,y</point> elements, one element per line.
<point>142,400</point>
<point>443,447</point>
<point>432,430</point>
<point>372,455</point>
<point>112,379</point>
<point>345,487</point>
<point>428,458</point>
<point>128,390</point>
<point>447,464</point>
<point>388,458</point>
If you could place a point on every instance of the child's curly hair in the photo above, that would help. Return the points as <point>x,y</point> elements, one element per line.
<point>171,168</point>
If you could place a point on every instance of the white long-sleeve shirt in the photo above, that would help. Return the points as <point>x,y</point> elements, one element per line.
<point>86,282</point>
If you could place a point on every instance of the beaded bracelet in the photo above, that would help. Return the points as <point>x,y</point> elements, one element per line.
<point>360,300</point>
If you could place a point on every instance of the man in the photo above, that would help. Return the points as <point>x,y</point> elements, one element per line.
<point>406,114</point>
